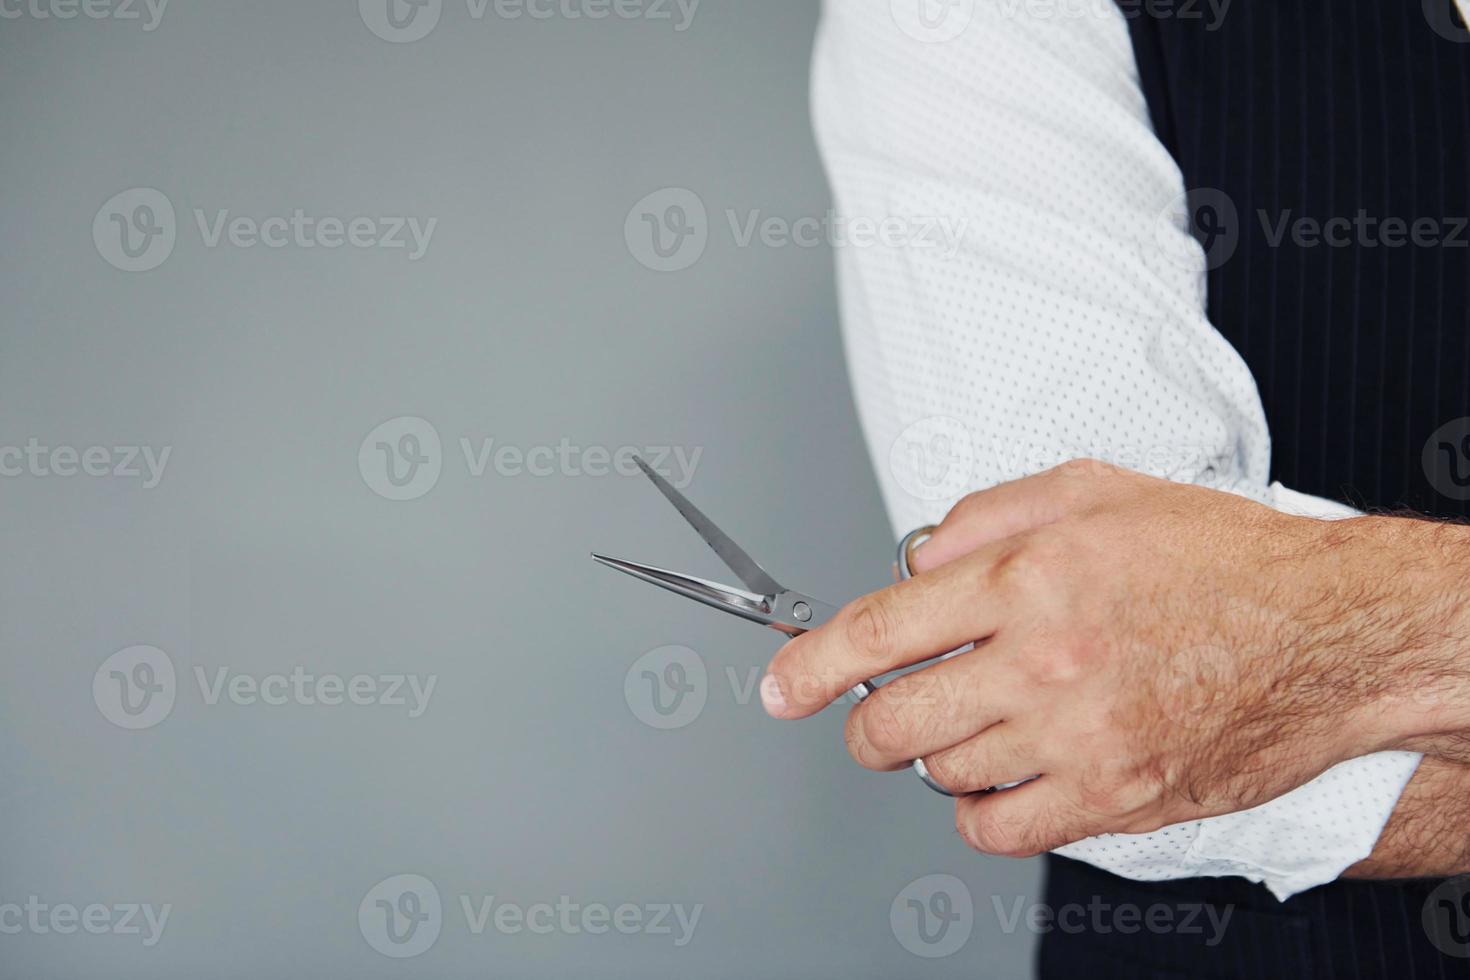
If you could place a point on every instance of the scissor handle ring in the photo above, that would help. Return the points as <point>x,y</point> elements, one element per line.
<point>865,690</point>
<point>906,549</point>
<point>908,546</point>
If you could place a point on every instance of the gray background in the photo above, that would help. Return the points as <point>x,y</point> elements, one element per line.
<point>528,321</point>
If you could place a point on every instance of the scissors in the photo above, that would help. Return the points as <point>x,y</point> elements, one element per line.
<point>763,600</point>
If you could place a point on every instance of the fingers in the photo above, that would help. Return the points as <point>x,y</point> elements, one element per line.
<point>899,626</point>
<point>920,713</point>
<point>1010,509</point>
<point>1021,822</point>
<point>995,757</point>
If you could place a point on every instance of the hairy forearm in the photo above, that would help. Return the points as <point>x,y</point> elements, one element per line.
<point>1424,628</point>
<point>1402,631</point>
<point>1428,835</point>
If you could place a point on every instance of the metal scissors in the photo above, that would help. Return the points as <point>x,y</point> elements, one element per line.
<point>763,600</point>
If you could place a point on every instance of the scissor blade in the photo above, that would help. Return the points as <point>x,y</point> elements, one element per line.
<point>755,578</point>
<point>723,597</point>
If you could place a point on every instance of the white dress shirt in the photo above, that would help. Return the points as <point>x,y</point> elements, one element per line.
<point>1036,297</point>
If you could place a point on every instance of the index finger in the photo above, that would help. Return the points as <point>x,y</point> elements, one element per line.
<point>904,624</point>
<point>1006,510</point>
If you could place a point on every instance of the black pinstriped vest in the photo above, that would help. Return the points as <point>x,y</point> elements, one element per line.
<point>1338,132</point>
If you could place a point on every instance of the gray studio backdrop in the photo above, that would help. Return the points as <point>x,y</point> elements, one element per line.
<point>324,330</point>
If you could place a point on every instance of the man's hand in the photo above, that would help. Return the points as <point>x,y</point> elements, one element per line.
<point>1153,652</point>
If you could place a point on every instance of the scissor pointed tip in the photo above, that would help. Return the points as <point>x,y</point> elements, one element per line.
<point>724,597</point>
<point>647,573</point>
<point>616,563</point>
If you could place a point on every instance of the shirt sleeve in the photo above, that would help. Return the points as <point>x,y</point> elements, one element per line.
<point>1028,292</point>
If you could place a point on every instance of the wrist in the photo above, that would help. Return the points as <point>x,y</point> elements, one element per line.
<point>1404,631</point>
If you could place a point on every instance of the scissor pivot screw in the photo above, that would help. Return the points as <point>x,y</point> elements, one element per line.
<point>802,612</point>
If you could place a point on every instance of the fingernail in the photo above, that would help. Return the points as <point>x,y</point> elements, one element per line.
<point>914,550</point>
<point>771,696</point>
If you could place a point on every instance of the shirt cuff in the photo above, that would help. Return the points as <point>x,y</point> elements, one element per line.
<point>1297,841</point>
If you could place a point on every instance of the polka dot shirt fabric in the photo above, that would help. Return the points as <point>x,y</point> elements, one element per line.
<point>1028,292</point>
